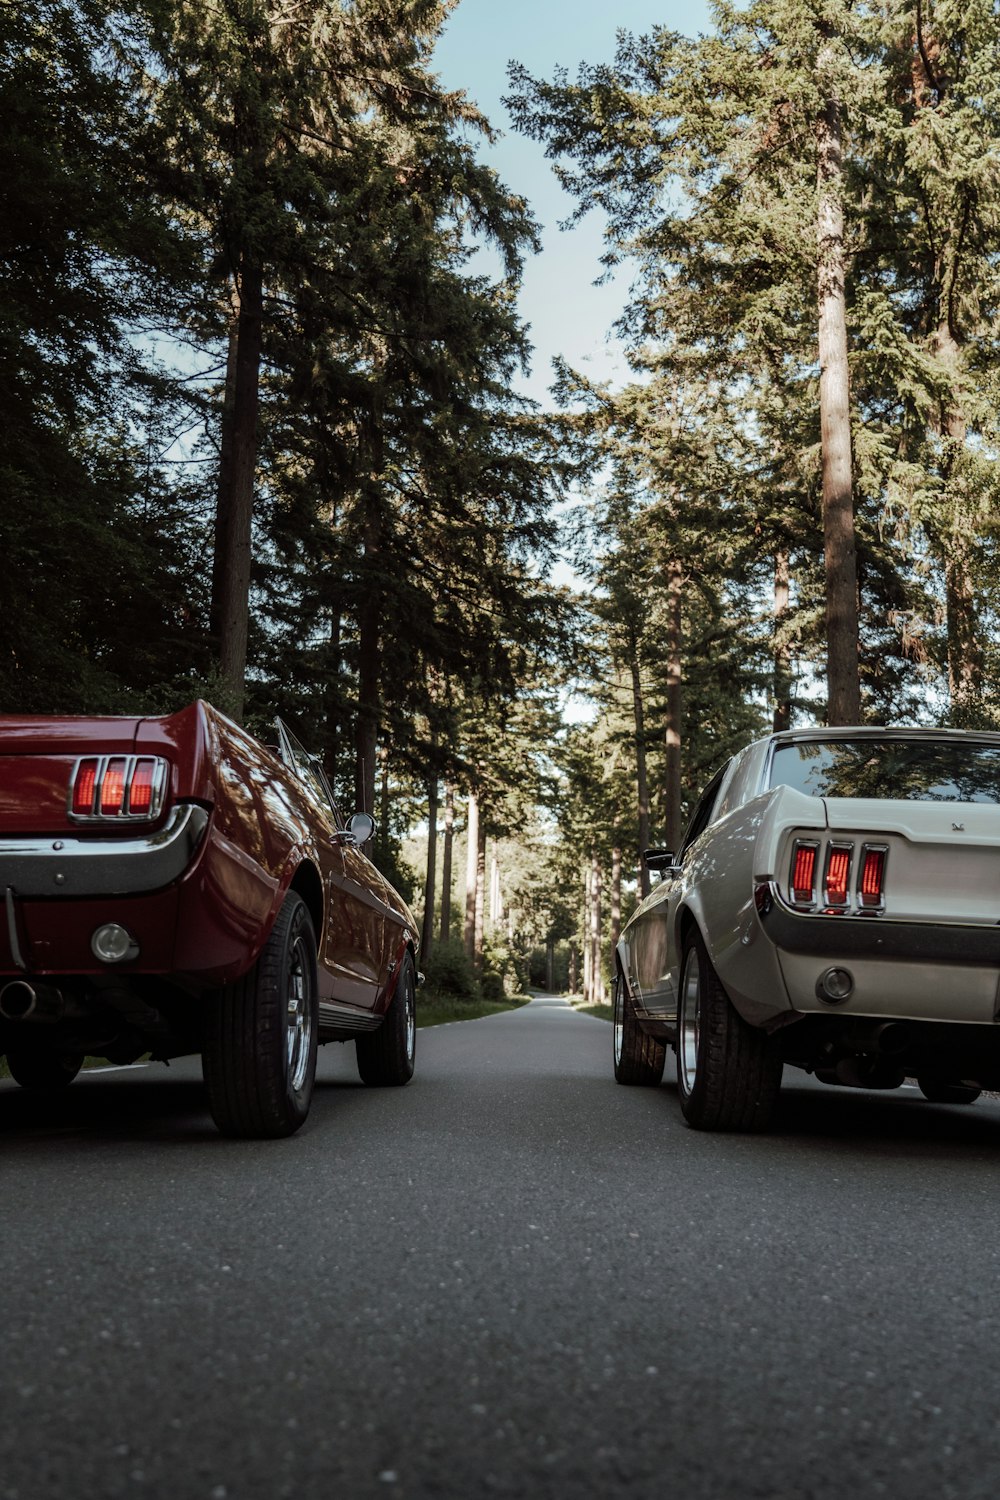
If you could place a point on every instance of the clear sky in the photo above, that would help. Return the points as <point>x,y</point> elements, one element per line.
<point>567,314</point>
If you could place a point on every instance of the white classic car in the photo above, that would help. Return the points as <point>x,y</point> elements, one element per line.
<point>835,905</point>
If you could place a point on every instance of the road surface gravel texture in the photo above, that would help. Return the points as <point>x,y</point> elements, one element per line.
<point>513,1278</point>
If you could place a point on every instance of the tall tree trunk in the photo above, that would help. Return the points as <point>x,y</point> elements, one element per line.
<point>449,835</point>
<point>588,955</point>
<point>223,489</point>
<point>496,901</point>
<point>781,653</point>
<point>234,520</point>
<point>965,658</point>
<point>616,893</point>
<point>369,662</point>
<point>550,964</point>
<point>641,783</point>
<point>843,680</point>
<point>332,706</point>
<point>596,978</point>
<point>572,967</point>
<point>471,875</point>
<point>427,927</point>
<point>674,654</point>
<point>383,803</point>
<point>477,946</point>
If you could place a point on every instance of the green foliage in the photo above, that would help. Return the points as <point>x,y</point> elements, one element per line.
<point>449,972</point>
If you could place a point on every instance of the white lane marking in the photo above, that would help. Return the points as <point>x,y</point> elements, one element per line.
<point>114,1068</point>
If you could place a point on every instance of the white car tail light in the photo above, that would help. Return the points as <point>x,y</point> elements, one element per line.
<point>118,788</point>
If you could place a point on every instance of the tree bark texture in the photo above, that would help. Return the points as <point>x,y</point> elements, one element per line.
<point>427,927</point>
<point>965,657</point>
<point>616,894</point>
<point>596,977</point>
<point>840,560</point>
<point>471,875</point>
<point>781,654</point>
<point>641,782</point>
<point>369,662</point>
<point>234,520</point>
<point>674,664</point>
<point>588,986</point>
<point>446,855</point>
<point>477,945</point>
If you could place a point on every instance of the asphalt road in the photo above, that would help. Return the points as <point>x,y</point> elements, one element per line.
<point>512,1278</point>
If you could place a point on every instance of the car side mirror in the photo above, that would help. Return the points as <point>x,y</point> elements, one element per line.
<point>660,860</point>
<point>361,828</point>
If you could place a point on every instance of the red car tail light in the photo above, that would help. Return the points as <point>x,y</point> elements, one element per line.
<point>113,789</point>
<point>140,792</point>
<point>84,787</point>
<point>803,877</point>
<point>872,881</point>
<point>838,871</point>
<point>118,788</point>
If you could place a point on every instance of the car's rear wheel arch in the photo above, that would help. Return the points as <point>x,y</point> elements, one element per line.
<point>307,883</point>
<point>687,923</point>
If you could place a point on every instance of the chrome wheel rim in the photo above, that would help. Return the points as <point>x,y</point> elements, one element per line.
<point>619,1020</point>
<point>688,1029</point>
<point>298,1015</point>
<point>410,1014</point>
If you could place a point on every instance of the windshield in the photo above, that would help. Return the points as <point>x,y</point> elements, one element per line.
<point>901,770</point>
<point>307,768</point>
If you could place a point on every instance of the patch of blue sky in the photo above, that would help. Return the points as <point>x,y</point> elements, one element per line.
<point>569,314</point>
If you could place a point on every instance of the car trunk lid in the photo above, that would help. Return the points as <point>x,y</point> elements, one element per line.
<point>942,858</point>
<point>37,760</point>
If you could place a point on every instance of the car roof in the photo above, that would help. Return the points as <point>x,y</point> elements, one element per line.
<point>883,732</point>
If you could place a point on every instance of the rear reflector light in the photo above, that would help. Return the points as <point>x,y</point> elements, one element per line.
<point>804,873</point>
<point>118,788</point>
<point>838,869</point>
<point>872,877</point>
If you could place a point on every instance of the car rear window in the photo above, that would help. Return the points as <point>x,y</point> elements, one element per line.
<point>901,770</point>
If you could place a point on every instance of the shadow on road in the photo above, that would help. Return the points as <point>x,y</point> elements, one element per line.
<point>148,1108</point>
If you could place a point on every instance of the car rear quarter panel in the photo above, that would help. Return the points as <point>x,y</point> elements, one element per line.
<point>719,898</point>
<point>261,829</point>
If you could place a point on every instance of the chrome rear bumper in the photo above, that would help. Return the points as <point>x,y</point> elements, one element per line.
<point>128,866</point>
<point>845,937</point>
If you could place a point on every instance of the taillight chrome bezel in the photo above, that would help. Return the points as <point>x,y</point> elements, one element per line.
<point>124,814</point>
<point>867,903</point>
<point>840,901</point>
<point>801,846</point>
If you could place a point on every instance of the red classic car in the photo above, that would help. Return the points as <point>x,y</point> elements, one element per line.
<point>172,886</point>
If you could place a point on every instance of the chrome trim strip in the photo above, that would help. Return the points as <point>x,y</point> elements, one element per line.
<point>336,1017</point>
<point>105,866</point>
<point>13,936</point>
<point>842,936</point>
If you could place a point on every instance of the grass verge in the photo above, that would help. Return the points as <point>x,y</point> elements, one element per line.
<point>602,1012</point>
<point>435,1010</point>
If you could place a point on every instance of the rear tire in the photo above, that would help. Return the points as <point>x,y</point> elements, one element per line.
<point>386,1056</point>
<point>638,1057</point>
<point>34,1069</point>
<point>728,1072</point>
<point>936,1092</point>
<point>259,1056</point>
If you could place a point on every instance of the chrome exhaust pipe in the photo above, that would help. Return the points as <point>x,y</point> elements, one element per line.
<point>21,1001</point>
